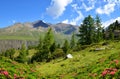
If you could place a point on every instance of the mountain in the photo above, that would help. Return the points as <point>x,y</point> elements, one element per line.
<point>32,30</point>
<point>65,28</point>
<point>40,23</point>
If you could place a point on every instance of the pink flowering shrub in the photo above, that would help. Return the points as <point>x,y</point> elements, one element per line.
<point>116,62</point>
<point>113,70</point>
<point>110,71</point>
<point>4,72</point>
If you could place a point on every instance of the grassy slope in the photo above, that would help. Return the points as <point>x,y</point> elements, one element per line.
<point>77,67</point>
<point>81,66</point>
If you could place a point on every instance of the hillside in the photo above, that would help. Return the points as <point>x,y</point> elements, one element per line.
<point>85,64</point>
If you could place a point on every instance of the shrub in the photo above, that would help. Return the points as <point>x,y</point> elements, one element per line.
<point>58,53</point>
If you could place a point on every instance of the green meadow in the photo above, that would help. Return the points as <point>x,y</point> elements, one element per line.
<point>88,63</point>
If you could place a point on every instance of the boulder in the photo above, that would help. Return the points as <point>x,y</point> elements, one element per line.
<point>69,56</point>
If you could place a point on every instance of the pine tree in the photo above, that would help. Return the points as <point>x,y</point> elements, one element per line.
<point>111,35</point>
<point>72,42</point>
<point>53,47</point>
<point>48,41</point>
<point>87,31</point>
<point>22,58</point>
<point>99,29</point>
<point>103,34</point>
<point>46,47</point>
<point>116,25</point>
<point>65,47</point>
<point>40,44</point>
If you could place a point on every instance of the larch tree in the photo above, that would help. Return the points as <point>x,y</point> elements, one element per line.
<point>45,47</point>
<point>72,41</point>
<point>98,26</point>
<point>87,31</point>
<point>65,47</point>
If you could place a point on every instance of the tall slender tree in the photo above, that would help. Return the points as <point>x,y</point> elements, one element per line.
<point>45,51</point>
<point>72,41</point>
<point>23,54</point>
<point>66,47</point>
<point>98,26</point>
<point>87,31</point>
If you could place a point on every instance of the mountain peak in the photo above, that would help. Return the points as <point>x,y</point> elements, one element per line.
<point>40,23</point>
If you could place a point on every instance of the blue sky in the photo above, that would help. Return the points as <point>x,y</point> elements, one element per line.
<point>56,11</point>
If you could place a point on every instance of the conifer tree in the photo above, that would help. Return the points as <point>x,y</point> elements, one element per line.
<point>111,35</point>
<point>23,54</point>
<point>65,47</point>
<point>48,41</point>
<point>87,31</point>
<point>40,44</point>
<point>72,42</point>
<point>46,47</point>
<point>53,47</point>
<point>98,25</point>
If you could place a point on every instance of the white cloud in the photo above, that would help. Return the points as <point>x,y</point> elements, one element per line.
<point>58,7</point>
<point>75,20</point>
<point>107,23</point>
<point>112,1</point>
<point>89,6</point>
<point>65,21</point>
<point>75,6</point>
<point>107,9</point>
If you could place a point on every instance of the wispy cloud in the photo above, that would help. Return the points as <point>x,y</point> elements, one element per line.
<point>88,6</point>
<point>75,20</point>
<point>107,9</point>
<point>57,7</point>
<point>65,21</point>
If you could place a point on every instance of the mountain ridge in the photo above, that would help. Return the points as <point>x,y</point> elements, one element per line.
<point>42,26</point>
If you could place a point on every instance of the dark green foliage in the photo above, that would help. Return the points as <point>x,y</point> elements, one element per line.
<point>113,31</point>
<point>111,35</point>
<point>22,58</point>
<point>72,42</point>
<point>114,26</point>
<point>103,34</point>
<point>45,47</point>
<point>90,31</point>
<point>48,39</point>
<point>99,35</point>
<point>47,43</point>
<point>40,44</point>
<point>66,46</point>
<point>87,31</point>
<point>32,47</point>
<point>53,47</point>
<point>58,53</point>
<point>9,53</point>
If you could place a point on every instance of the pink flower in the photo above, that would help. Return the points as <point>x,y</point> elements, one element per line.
<point>115,69</point>
<point>5,73</point>
<point>104,73</point>
<point>112,72</point>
